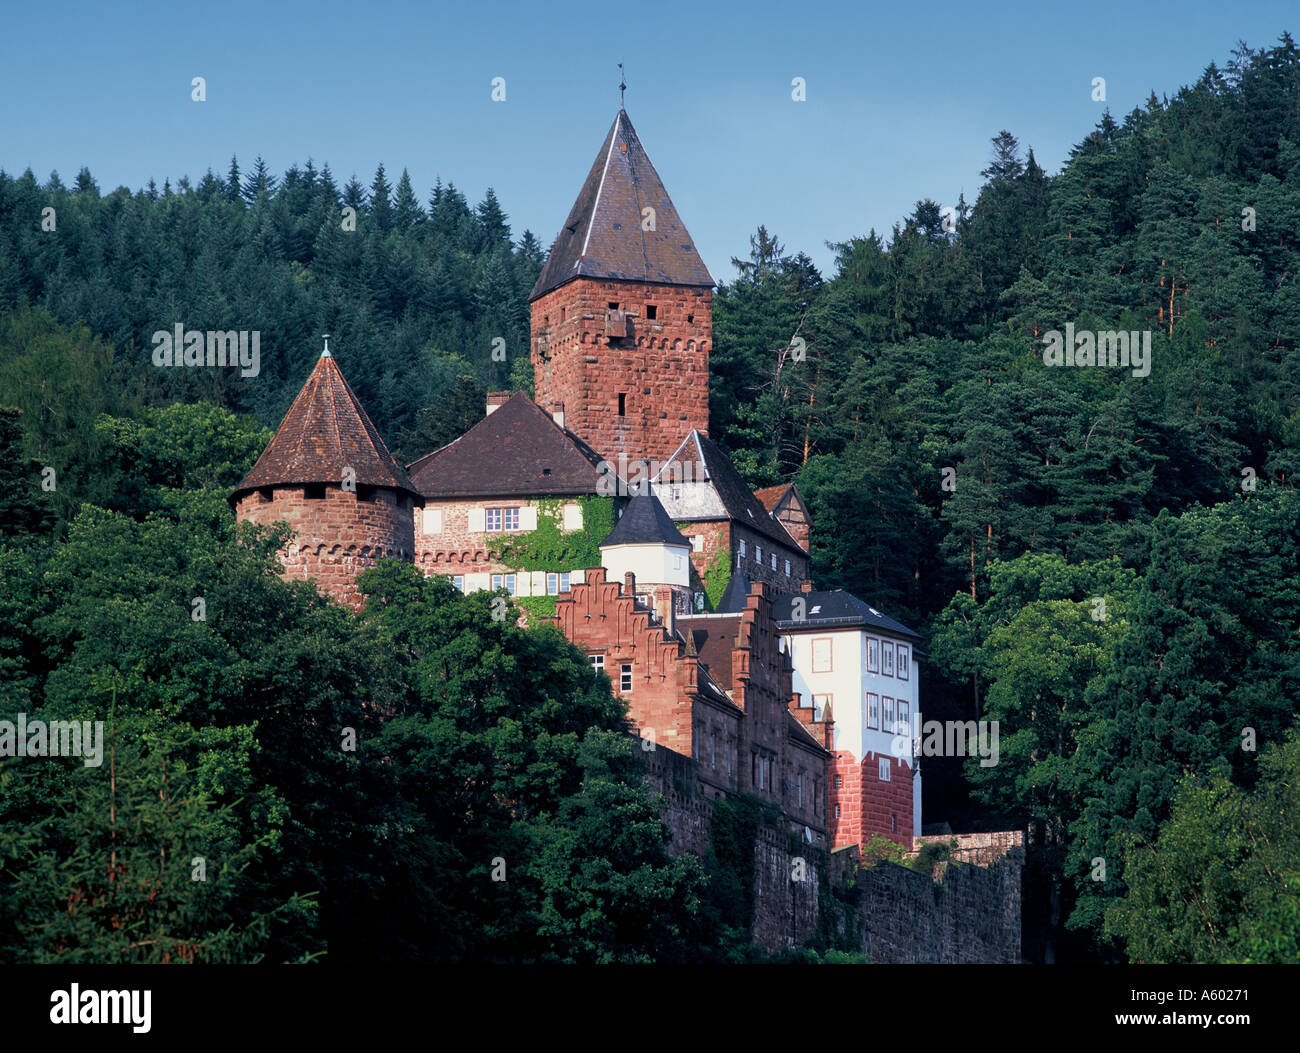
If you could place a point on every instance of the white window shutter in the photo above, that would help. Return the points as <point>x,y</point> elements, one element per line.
<point>528,517</point>
<point>433,520</point>
<point>572,517</point>
<point>476,521</point>
<point>477,582</point>
<point>539,582</point>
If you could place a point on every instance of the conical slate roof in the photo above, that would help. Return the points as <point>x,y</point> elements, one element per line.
<point>737,592</point>
<point>644,522</point>
<point>604,236</point>
<point>325,431</point>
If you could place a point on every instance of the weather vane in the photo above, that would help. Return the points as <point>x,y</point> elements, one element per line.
<point>622,87</point>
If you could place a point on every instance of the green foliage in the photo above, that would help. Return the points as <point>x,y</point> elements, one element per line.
<point>1219,883</point>
<point>717,576</point>
<point>550,547</point>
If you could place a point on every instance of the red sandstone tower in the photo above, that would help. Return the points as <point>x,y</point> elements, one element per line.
<point>328,474</point>
<point>622,313</point>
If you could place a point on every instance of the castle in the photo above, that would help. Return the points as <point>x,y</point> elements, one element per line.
<point>700,608</point>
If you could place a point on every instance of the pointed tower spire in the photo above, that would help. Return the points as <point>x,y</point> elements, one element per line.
<point>624,225</point>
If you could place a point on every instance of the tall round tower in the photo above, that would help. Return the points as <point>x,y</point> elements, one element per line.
<point>328,474</point>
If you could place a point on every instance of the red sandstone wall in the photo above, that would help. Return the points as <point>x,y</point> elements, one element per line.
<point>662,368</point>
<point>869,807</point>
<point>336,537</point>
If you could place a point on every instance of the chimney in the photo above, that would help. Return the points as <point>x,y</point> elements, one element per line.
<point>495,400</point>
<point>557,414</point>
<point>806,585</point>
<point>629,584</point>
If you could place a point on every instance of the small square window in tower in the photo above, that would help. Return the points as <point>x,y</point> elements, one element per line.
<point>622,404</point>
<point>651,312</point>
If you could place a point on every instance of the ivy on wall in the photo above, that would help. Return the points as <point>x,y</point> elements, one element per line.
<point>717,576</point>
<point>549,547</point>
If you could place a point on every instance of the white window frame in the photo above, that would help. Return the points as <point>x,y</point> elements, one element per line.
<point>884,772</point>
<point>625,678</point>
<point>458,583</point>
<point>509,582</point>
<point>597,662</point>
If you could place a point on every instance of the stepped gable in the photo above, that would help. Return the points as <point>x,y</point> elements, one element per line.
<point>325,431</point>
<point>517,450</point>
<point>699,459</point>
<point>835,608</point>
<point>644,522</point>
<point>604,238</point>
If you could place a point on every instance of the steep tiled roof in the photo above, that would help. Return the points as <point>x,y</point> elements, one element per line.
<point>714,638</point>
<point>516,450</point>
<point>325,431</point>
<point>644,522</point>
<point>698,458</point>
<point>835,608</point>
<point>769,497</point>
<point>604,235</point>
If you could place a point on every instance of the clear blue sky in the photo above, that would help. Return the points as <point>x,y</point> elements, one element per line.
<point>902,98</point>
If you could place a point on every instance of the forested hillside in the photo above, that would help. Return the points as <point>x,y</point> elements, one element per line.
<point>1107,564</point>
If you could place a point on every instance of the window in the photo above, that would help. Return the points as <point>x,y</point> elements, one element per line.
<point>697,540</point>
<point>873,710</point>
<point>651,312</point>
<point>504,581</point>
<point>839,781</point>
<point>742,546</point>
<point>498,519</point>
<point>904,717</point>
<point>625,677</point>
<point>798,783</point>
<point>904,661</point>
<point>597,662</point>
<point>315,491</point>
<point>774,561</point>
<point>557,583</point>
<point>758,554</point>
<point>787,568</point>
<point>837,811</point>
<point>887,659</point>
<point>677,493</point>
<point>821,655</point>
<point>613,304</point>
<point>887,714</point>
<point>873,655</point>
<point>731,755</point>
<point>713,750</point>
<point>820,702</point>
<point>622,404</point>
<point>458,581</point>
<point>884,769</point>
